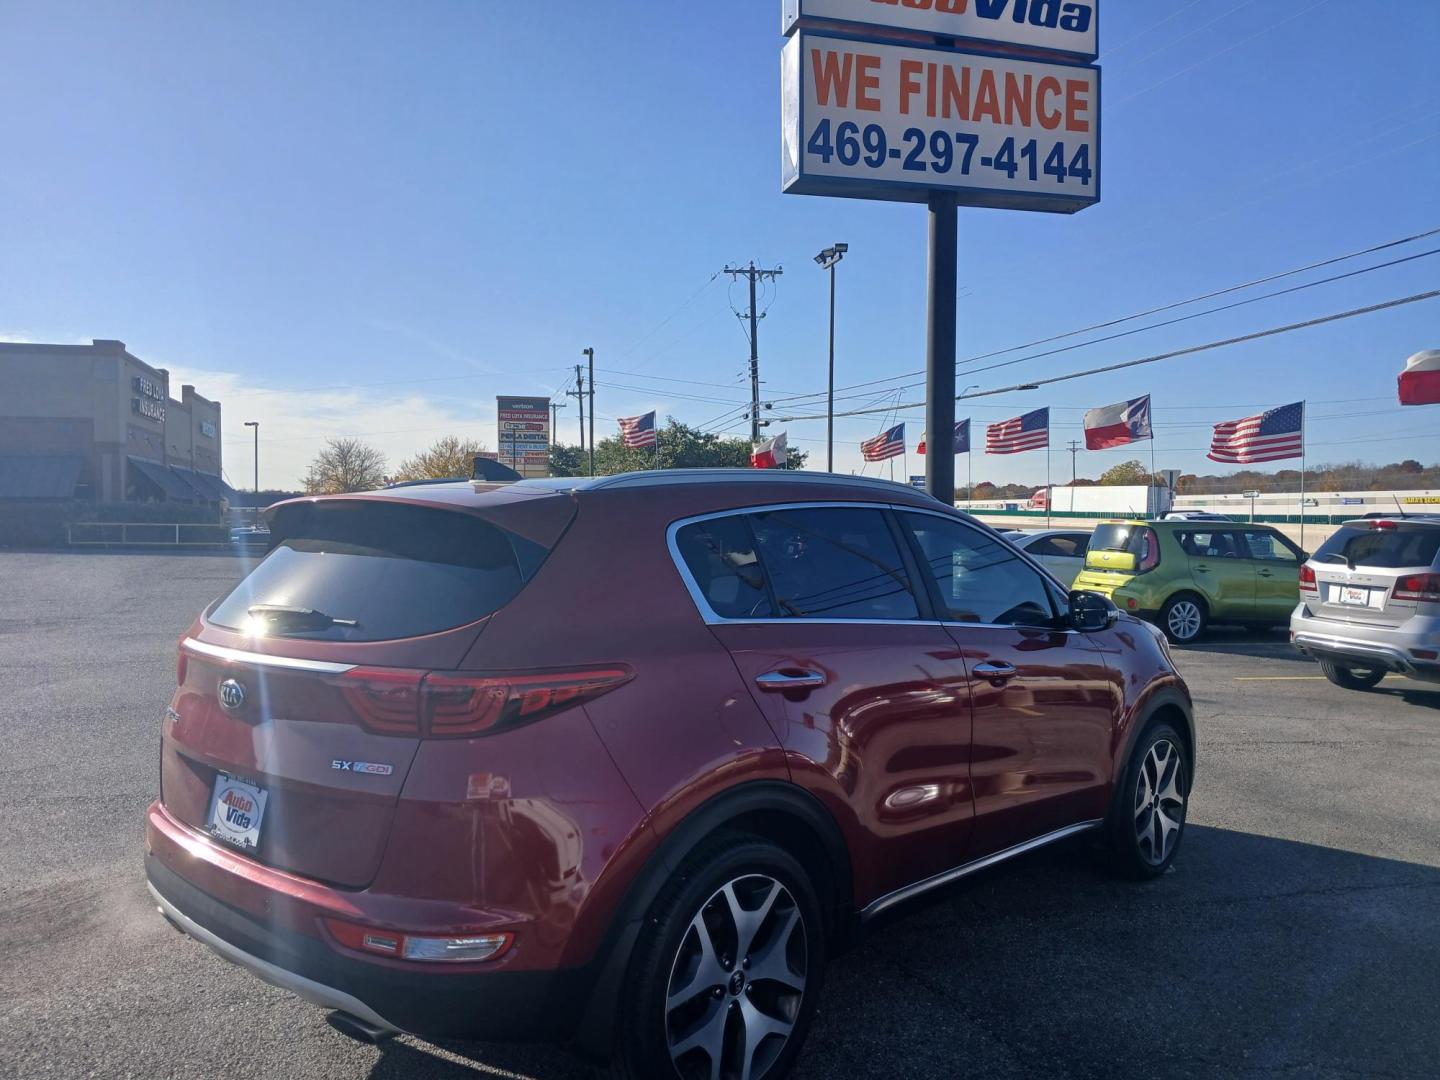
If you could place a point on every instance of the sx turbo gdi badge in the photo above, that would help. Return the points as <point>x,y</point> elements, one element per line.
<point>369,768</point>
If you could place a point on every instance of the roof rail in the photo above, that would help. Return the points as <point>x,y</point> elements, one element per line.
<point>666,477</point>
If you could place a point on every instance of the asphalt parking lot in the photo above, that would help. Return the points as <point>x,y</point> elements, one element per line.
<point>1296,936</point>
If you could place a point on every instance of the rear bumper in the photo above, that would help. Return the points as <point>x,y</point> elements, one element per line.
<point>1381,648</point>
<point>271,939</point>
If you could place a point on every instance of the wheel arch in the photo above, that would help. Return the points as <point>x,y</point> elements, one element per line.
<point>774,810</point>
<point>1170,703</point>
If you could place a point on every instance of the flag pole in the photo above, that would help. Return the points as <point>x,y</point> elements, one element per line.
<point>1302,476</point>
<point>1049,491</point>
<point>1148,511</point>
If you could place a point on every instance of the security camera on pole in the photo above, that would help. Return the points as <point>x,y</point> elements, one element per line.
<point>949,105</point>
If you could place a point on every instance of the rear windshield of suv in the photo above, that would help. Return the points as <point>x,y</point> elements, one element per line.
<point>1398,549</point>
<point>1117,538</point>
<point>358,571</point>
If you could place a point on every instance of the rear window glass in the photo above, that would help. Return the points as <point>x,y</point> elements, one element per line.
<point>1398,549</point>
<point>377,572</point>
<point>1115,538</point>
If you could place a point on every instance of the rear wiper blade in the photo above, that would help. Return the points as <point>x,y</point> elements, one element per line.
<point>1338,557</point>
<point>297,617</point>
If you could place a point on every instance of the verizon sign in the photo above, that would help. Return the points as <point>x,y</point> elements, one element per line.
<point>874,120</point>
<point>1051,26</point>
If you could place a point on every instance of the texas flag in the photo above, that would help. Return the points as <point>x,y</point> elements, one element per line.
<point>1420,381</point>
<point>770,455</point>
<point>1117,425</point>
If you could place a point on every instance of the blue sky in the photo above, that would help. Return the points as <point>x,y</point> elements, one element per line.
<point>371,219</point>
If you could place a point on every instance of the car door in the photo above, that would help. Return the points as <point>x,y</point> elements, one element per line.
<point>866,692</point>
<point>1276,563</point>
<point>1045,705</point>
<point>1221,570</point>
<point>1063,554</point>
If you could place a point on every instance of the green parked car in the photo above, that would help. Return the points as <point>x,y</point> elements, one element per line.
<point>1184,575</point>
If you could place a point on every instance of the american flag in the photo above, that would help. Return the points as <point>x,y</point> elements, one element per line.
<point>889,444</point>
<point>638,431</point>
<point>1271,436</point>
<point>1028,432</point>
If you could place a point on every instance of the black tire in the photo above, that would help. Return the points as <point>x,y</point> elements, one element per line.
<point>1141,792</point>
<point>1181,630</point>
<point>670,943</point>
<point>1352,678</point>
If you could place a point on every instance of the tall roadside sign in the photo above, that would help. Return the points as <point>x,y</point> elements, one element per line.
<point>949,103</point>
<point>523,440</point>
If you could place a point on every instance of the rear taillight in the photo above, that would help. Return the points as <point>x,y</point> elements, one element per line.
<point>182,662</point>
<point>1149,551</point>
<point>467,948</point>
<point>1307,580</point>
<point>1418,588</point>
<point>1383,526</point>
<point>453,705</point>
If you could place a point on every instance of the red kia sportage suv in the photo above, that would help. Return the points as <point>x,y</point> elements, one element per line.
<point>620,762</point>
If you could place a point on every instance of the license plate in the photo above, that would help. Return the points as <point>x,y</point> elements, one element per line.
<point>236,810</point>
<point>1349,594</point>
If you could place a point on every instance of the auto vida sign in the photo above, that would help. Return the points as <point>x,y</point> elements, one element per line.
<point>1051,26</point>
<point>878,120</point>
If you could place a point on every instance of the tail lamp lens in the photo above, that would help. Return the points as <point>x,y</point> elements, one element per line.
<point>1307,580</point>
<point>1149,551</point>
<point>455,705</point>
<point>468,948</point>
<point>182,663</point>
<point>1419,588</point>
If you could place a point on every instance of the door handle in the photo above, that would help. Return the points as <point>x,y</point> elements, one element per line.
<point>1264,573</point>
<point>1202,569</point>
<point>779,681</point>
<point>994,671</point>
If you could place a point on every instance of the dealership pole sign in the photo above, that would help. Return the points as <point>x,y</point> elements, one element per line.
<point>523,425</point>
<point>949,103</point>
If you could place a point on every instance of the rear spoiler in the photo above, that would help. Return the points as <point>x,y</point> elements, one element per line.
<point>491,471</point>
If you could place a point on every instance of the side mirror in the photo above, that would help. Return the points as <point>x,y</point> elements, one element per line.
<point>1090,612</point>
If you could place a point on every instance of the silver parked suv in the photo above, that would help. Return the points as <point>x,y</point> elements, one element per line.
<point>1370,602</point>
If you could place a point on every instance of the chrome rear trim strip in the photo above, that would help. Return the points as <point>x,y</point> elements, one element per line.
<point>899,896</point>
<point>240,656</point>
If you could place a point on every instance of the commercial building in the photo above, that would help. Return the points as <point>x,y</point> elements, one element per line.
<point>94,422</point>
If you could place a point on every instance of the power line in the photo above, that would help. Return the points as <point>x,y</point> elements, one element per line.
<point>1255,336</point>
<point>1156,310</point>
<point>753,274</point>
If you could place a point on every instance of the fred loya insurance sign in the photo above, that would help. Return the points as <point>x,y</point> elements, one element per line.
<point>878,120</point>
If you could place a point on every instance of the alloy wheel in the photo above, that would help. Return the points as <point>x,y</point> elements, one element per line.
<point>1184,620</point>
<point>1160,802</point>
<point>737,982</point>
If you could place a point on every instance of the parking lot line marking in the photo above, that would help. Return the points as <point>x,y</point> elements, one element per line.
<point>1279,678</point>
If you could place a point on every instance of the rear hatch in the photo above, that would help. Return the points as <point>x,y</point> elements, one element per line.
<point>303,696</point>
<point>1375,572</point>
<point>1118,551</point>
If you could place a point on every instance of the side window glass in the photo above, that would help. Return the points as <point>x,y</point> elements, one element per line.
<point>720,555</point>
<point>834,563</point>
<point>1267,547</point>
<point>980,580</point>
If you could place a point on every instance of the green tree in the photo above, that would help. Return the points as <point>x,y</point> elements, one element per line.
<point>345,465</point>
<point>681,447</point>
<point>1126,474</point>
<point>447,458</point>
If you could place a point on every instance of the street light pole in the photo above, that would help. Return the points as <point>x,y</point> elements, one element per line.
<point>828,259</point>
<point>256,425</point>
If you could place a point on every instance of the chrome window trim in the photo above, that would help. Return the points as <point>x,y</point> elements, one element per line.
<point>945,877</point>
<point>241,656</point>
<point>708,614</point>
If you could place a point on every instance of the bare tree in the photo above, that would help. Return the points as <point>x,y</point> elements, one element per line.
<point>449,458</point>
<point>345,465</point>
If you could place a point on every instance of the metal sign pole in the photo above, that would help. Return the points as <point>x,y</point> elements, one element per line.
<point>940,343</point>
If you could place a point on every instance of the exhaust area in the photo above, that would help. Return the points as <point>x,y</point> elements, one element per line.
<point>359,1030</point>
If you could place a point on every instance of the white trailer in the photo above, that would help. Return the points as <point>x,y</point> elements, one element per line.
<point>1103,501</point>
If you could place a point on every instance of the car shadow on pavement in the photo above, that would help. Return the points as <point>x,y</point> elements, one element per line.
<point>1425,695</point>
<point>1255,956</point>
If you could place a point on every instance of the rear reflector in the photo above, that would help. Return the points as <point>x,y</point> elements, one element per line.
<point>1418,588</point>
<point>1425,654</point>
<point>1307,580</point>
<point>453,705</point>
<point>469,948</point>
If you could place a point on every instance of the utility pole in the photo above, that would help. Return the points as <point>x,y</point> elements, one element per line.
<point>827,260</point>
<point>579,395</point>
<point>590,353</point>
<point>555,407</point>
<point>1075,449</point>
<point>753,274</point>
<point>256,425</point>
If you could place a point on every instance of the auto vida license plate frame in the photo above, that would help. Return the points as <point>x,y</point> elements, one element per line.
<point>237,810</point>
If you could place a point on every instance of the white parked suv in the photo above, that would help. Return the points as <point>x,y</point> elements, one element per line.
<point>1370,602</point>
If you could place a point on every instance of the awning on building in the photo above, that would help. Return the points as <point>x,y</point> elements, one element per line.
<point>210,488</point>
<point>168,483</point>
<point>193,483</point>
<point>36,476</point>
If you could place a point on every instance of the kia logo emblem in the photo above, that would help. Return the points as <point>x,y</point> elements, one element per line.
<point>232,694</point>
